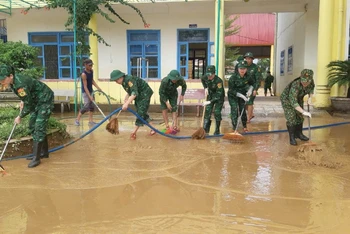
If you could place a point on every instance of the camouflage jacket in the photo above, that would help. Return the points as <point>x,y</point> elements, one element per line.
<point>137,86</point>
<point>254,72</point>
<point>238,84</point>
<point>215,87</point>
<point>269,80</point>
<point>294,93</point>
<point>167,87</point>
<point>32,92</point>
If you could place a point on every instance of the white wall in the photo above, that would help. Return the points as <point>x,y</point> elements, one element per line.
<point>167,18</point>
<point>299,30</point>
<point>164,17</point>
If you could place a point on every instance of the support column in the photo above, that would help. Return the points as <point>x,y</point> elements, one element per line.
<point>272,60</point>
<point>324,52</point>
<point>272,67</point>
<point>94,46</point>
<point>220,38</point>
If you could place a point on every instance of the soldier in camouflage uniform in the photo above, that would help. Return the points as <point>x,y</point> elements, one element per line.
<point>268,81</point>
<point>215,93</point>
<point>238,86</point>
<point>37,99</point>
<point>239,59</point>
<point>137,89</point>
<point>168,96</point>
<point>254,72</point>
<point>292,103</point>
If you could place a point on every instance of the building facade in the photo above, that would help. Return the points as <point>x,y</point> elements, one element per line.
<point>187,36</point>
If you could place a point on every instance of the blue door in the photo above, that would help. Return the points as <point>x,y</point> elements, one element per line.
<point>183,59</point>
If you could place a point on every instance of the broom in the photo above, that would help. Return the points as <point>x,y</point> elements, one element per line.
<point>309,146</point>
<point>113,125</point>
<point>235,136</point>
<point>200,133</point>
<point>2,169</point>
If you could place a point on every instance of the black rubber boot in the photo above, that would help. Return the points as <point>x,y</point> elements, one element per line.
<point>291,130</point>
<point>217,128</point>
<point>207,123</point>
<point>44,150</point>
<point>36,152</point>
<point>299,133</point>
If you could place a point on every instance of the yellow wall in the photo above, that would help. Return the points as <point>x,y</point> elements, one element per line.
<point>114,90</point>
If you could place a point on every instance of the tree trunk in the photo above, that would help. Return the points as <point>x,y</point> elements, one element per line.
<point>348,95</point>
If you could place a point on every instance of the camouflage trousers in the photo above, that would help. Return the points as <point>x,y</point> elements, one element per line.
<point>217,106</point>
<point>237,106</point>
<point>172,97</point>
<point>38,121</point>
<point>292,116</point>
<point>251,100</point>
<point>142,106</point>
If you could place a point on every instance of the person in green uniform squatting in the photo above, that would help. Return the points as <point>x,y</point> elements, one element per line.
<point>292,103</point>
<point>254,72</point>
<point>37,99</point>
<point>239,89</point>
<point>137,89</point>
<point>215,95</point>
<point>268,81</point>
<point>168,96</point>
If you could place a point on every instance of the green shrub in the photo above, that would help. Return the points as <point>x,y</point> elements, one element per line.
<point>7,116</point>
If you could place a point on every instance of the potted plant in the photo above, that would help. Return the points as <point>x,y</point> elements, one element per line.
<point>339,73</point>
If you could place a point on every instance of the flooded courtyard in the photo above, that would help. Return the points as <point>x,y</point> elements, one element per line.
<point>107,183</point>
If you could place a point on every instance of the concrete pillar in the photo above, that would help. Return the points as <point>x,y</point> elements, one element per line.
<point>324,52</point>
<point>220,38</point>
<point>272,60</point>
<point>94,46</point>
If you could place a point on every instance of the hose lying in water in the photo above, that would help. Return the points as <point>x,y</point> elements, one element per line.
<point>167,135</point>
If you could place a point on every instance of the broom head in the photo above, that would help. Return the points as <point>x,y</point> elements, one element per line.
<point>113,126</point>
<point>233,136</point>
<point>2,170</point>
<point>199,134</point>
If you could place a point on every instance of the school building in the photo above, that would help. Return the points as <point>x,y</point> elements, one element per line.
<point>187,36</point>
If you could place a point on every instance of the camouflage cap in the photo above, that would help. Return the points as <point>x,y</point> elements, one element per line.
<point>174,75</point>
<point>242,64</point>
<point>210,70</point>
<point>240,58</point>
<point>306,75</point>
<point>116,74</point>
<point>5,71</point>
<point>249,55</point>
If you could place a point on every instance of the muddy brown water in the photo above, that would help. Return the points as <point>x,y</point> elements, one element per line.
<point>110,184</point>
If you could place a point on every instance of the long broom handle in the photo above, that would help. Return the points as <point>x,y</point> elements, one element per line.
<point>308,120</point>
<point>240,115</point>
<point>119,113</point>
<point>202,122</point>
<point>99,109</point>
<point>8,140</point>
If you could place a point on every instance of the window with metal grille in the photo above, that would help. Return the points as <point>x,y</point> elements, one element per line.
<point>144,53</point>
<point>56,54</point>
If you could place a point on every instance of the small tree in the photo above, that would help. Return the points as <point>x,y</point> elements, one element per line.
<point>231,54</point>
<point>339,73</point>
<point>264,65</point>
<point>21,57</point>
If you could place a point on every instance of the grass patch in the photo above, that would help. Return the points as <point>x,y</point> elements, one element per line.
<point>7,117</point>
